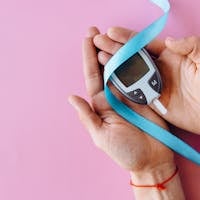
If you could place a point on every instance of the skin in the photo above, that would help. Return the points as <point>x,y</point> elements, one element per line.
<point>124,143</point>
<point>180,73</point>
<point>178,62</point>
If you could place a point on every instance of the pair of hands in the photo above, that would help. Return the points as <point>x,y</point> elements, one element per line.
<point>178,62</point>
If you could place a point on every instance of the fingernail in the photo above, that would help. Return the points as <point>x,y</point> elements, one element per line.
<point>88,33</point>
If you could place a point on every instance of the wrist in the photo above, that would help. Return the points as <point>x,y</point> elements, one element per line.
<point>153,175</point>
<point>159,182</point>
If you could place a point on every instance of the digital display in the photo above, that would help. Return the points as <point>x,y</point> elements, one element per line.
<point>132,70</point>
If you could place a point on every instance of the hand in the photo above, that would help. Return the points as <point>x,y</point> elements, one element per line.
<point>127,145</point>
<point>179,65</point>
<point>180,68</point>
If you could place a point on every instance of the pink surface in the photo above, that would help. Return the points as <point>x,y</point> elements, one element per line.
<point>45,153</point>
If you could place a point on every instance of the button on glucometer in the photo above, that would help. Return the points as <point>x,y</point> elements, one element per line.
<point>135,93</point>
<point>138,96</point>
<point>154,83</point>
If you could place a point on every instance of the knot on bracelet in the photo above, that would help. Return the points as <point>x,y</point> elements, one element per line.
<point>160,186</point>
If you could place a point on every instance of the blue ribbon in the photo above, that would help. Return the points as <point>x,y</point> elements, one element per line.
<point>124,53</point>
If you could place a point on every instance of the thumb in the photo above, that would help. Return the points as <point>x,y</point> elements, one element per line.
<point>189,46</point>
<point>87,116</point>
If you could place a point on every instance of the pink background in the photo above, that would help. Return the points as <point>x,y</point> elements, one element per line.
<point>45,153</point>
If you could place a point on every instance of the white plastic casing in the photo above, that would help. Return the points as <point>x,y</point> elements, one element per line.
<point>143,83</point>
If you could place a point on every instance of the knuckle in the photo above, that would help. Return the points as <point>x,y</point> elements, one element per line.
<point>116,46</point>
<point>195,53</point>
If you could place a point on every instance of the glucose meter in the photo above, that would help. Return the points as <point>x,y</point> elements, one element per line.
<point>139,80</point>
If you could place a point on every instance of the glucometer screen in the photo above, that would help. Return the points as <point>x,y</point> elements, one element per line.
<point>132,70</point>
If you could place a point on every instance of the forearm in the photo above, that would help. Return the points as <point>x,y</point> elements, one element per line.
<point>173,189</point>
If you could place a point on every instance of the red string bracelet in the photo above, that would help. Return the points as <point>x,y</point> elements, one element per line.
<point>159,186</point>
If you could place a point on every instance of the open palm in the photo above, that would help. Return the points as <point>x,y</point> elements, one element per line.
<point>180,70</point>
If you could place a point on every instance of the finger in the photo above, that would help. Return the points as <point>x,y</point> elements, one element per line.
<point>88,117</point>
<point>119,34</point>
<point>92,73</point>
<point>189,46</point>
<point>103,57</point>
<point>92,31</point>
<point>104,43</point>
<point>122,35</point>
